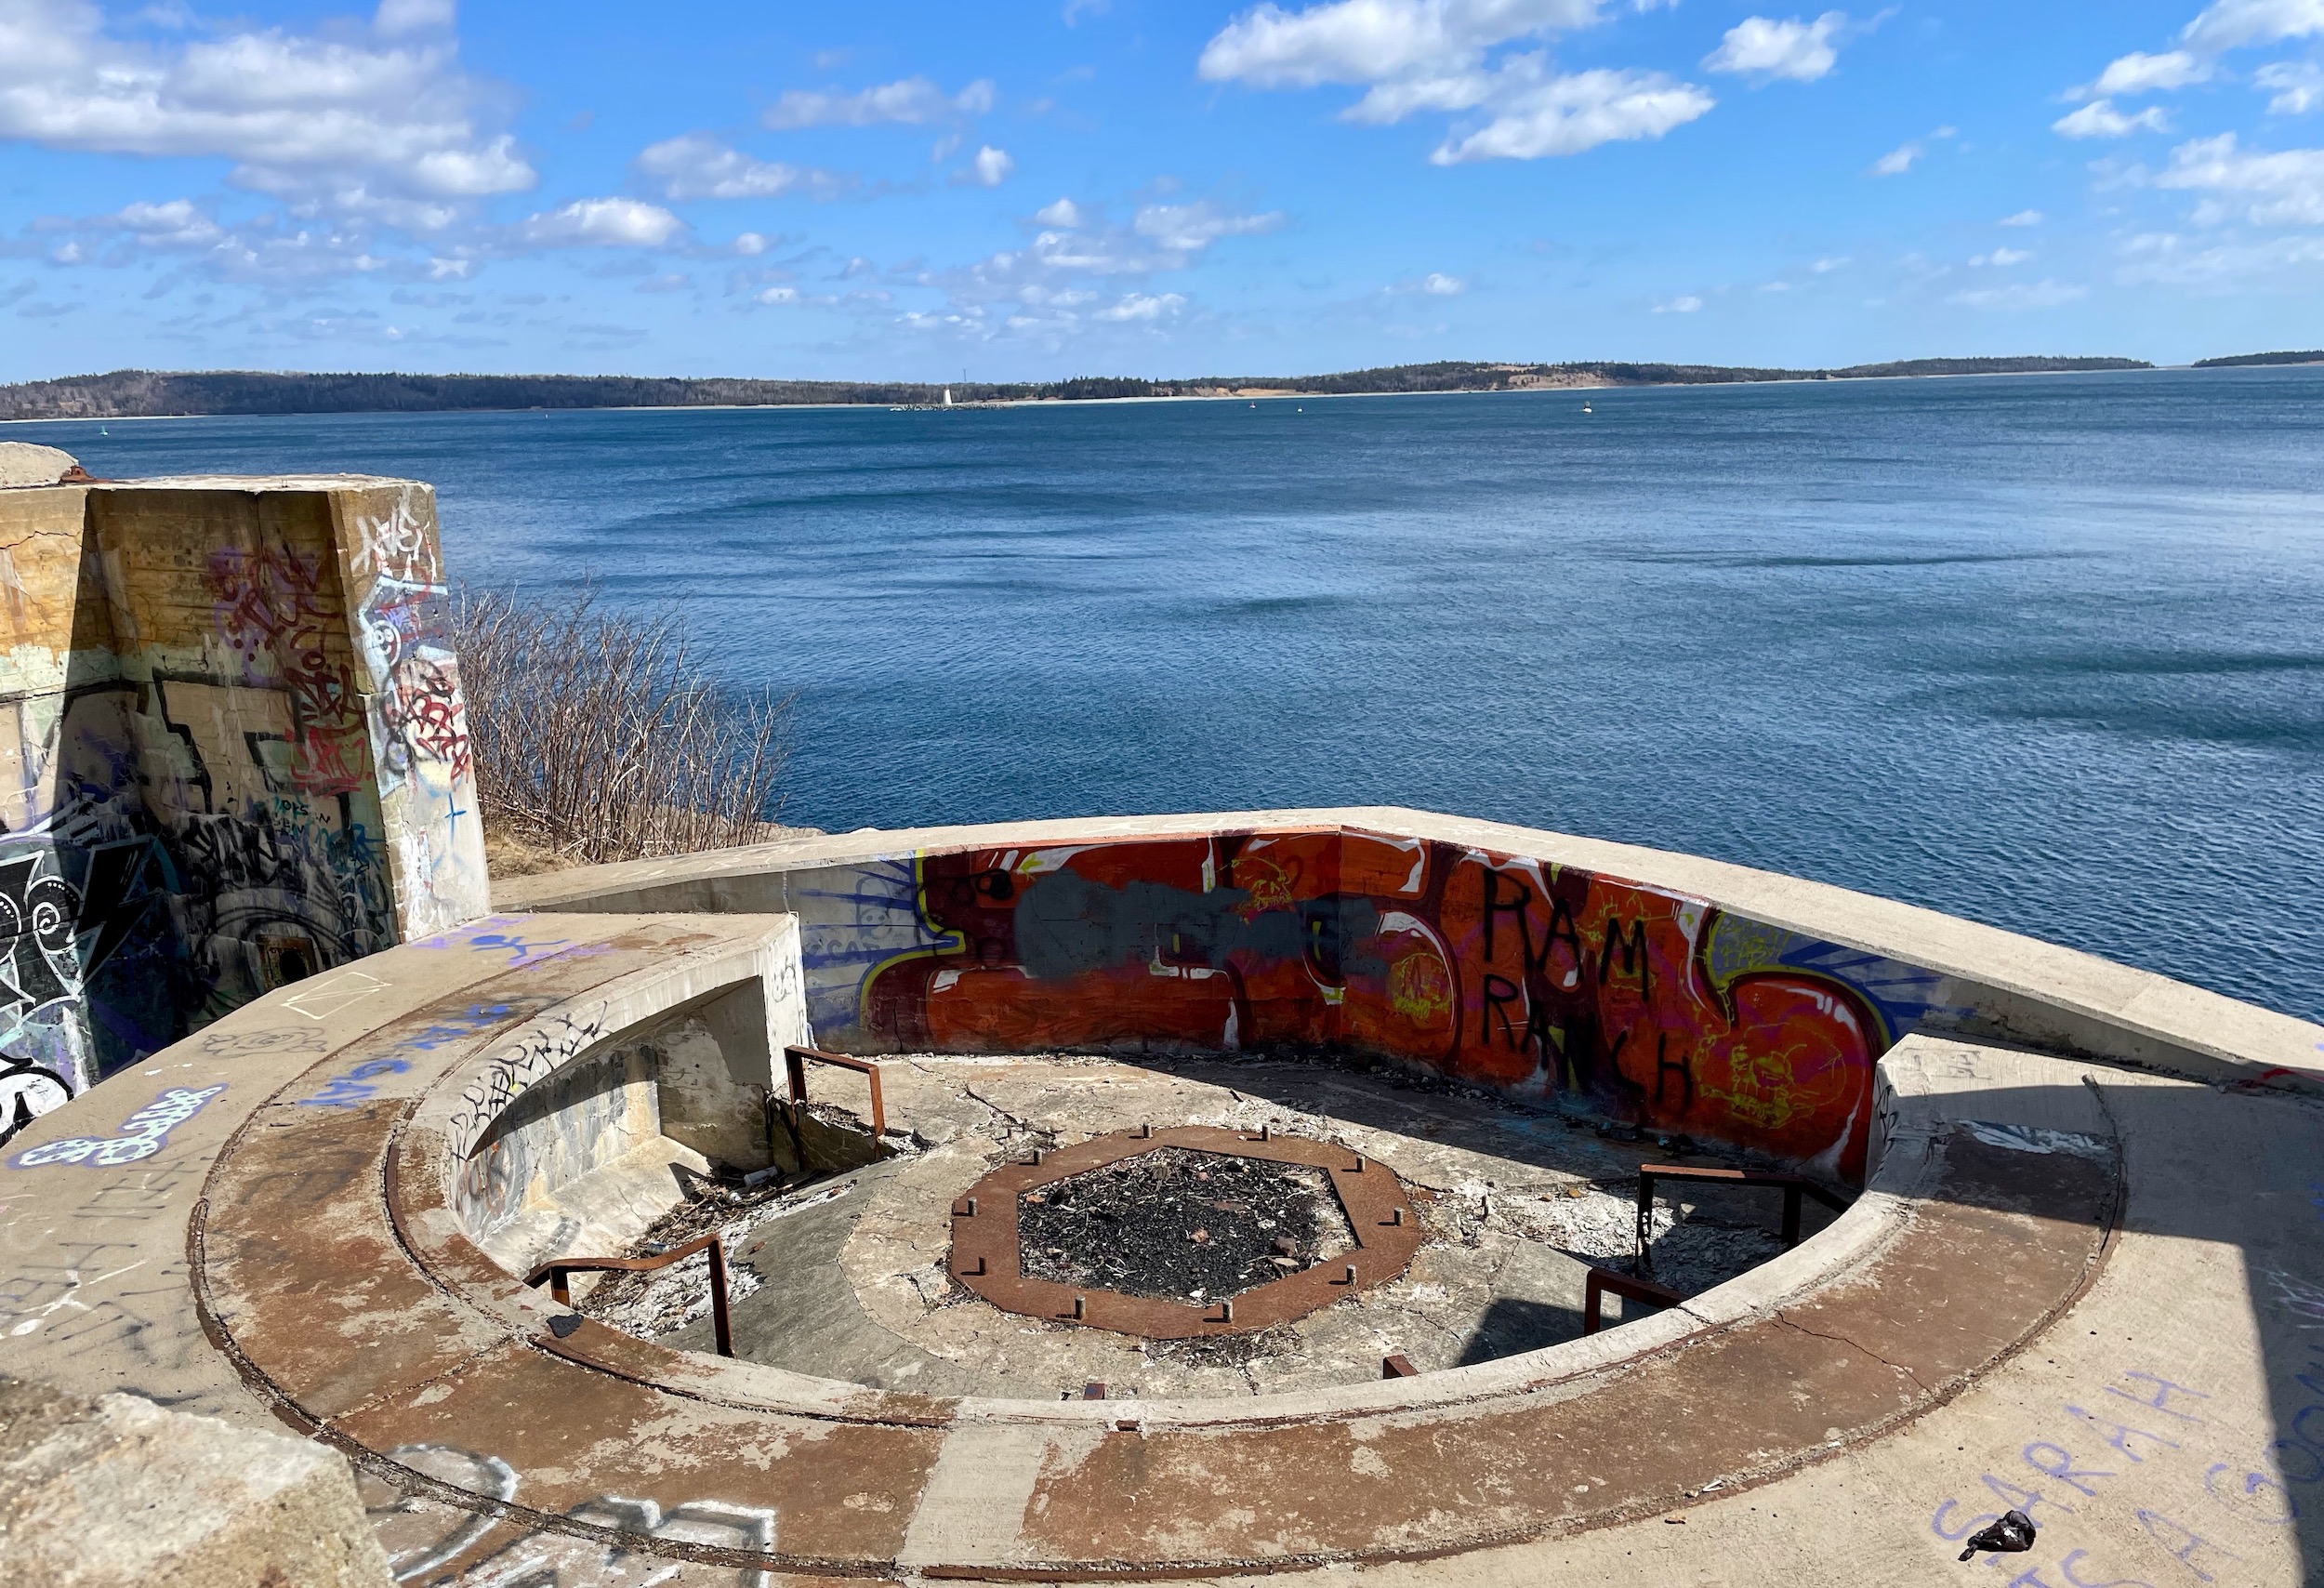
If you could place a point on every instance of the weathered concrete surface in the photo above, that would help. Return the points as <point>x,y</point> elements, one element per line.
<point>118,1491</point>
<point>2071,1286</point>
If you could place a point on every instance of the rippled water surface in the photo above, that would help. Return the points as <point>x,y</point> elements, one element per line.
<point>2048,651</point>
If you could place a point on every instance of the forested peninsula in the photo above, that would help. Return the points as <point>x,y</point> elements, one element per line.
<point>139,394</point>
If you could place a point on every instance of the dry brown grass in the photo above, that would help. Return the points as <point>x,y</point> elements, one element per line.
<point>601,735</point>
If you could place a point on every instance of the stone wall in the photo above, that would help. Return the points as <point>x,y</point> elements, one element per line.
<point>232,753</point>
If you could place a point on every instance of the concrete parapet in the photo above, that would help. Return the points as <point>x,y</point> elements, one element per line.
<point>232,753</point>
<point>119,1490</point>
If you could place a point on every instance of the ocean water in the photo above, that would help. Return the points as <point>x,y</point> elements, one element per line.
<point>2046,652</point>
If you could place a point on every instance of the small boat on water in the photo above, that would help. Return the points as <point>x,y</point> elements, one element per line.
<point>1585,408</point>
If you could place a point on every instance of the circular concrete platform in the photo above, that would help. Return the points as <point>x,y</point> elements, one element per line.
<point>2079,1279</point>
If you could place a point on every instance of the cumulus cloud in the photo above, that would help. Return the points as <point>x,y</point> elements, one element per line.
<point>1183,229</point>
<point>1416,56</point>
<point>2233,24</point>
<point>1899,160</point>
<point>2168,259</point>
<point>912,101</point>
<point>1143,305</point>
<point>2099,119</point>
<point>1064,213</point>
<point>2023,217</point>
<point>698,167</point>
<point>1764,48</point>
<point>338,119</point>
<point>2002,256</point>
<point>1685,305</point>
<point>2297,86</point>
<point>989,169</point>
<point>2045,294</point>
<point>1438,285</point>
<point>600,223</point>
<point>2141,73</point>
<point>1534,113</point>
<point>2284,188</point>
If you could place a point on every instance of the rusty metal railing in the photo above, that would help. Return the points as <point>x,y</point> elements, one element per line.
<point>556,1273</point>
<point>1601,1280</point>
<point>1793,1187</point>
<point>796,1060</point>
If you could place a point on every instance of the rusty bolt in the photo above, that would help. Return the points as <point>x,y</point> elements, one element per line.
<point>1350,1272</point>
<point>1396,1215</point>
<point>1359,1165</point>
<point>1226,1311</point>
<point>1036,1158</point>
<point>971,1214</point>
<point>1081,1309</point>
<point>1263,1133</point>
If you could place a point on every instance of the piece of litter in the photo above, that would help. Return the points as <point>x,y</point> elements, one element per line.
<point>2013,1534</point>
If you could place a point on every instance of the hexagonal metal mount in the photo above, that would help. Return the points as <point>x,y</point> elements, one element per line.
<point>986,1256</point>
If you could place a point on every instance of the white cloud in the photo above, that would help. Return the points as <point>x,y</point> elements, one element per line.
<point>2002,256</point>
<point>2232,24</point>
<point>601,223</point>
<point>2285,188</point>
<point>749,245</point>
<point>2298,86</point>
<point>990,169</point>
<point>1438,285</point>
<point>1824,267</point>
<point>1375,41</point>
<point>1416,56</point>
<point>396,17</point>
<point>1687,305</point>
<point>1899,160</point>
<point>2172,261</point>
<point>1568,115</point>
<point>2043,294</point>
<point>2138,73</point>
<point>2023,217</point>
<point>1140,306</point>
<point>329,119</point>
<point>176,224</point>
<point>914,102</point>
<point>2099,119</point>
<point>1064,213</point>
<point>699,166</point>
<point>1190,228</point>
<point>1762,48</point>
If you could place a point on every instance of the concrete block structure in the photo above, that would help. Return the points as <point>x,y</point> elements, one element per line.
<point>233,753</point>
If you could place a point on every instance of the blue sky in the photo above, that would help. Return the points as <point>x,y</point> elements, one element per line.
<point>1129,186</point>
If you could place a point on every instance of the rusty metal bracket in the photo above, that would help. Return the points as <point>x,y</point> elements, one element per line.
<point>1601,1280</point>
<point>556,1273</point>
<point>1793,1187</point>
<point>986,1257</point>
<point>796,1060</point>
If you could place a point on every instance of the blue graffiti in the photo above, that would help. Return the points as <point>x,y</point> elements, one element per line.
<point>143,1133</point>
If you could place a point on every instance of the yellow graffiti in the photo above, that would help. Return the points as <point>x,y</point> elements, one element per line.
<point>1419,988</point>
<point>1764,1090</point>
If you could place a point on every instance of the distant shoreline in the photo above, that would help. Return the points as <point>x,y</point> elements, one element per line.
<point>987,406</point>
<point>136,395</point>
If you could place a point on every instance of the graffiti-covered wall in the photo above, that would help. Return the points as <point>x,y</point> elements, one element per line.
<point>1503,971</point>
<point>232,753</point>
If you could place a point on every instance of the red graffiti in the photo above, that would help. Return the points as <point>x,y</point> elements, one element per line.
<point>1491,969</point>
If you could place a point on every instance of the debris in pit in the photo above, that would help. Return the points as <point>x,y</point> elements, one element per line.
<point>1178,1225</point>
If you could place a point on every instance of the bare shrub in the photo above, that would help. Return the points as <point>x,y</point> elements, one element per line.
<point>601,735</point>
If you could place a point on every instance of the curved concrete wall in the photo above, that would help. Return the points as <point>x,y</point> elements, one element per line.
<point>1689,995</point>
